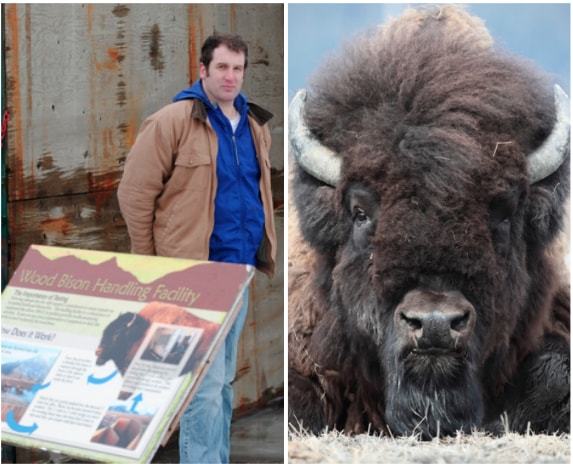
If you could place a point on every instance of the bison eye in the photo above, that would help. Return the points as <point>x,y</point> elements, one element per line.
<point>359,216</point>
<point>501,235</point>
<point>504,225</point>
<point>362,229</point>
<point>362,205</point>
<point>502,211</point>
<point>501,232</point>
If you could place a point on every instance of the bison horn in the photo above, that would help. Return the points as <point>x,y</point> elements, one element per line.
<point>130,323</point>
<point>311,155</point>
<point>550,155</point>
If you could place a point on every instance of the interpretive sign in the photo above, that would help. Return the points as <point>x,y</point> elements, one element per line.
<point>101,351</point>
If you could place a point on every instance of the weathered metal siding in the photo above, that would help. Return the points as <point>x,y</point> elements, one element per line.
<point>80,80</point>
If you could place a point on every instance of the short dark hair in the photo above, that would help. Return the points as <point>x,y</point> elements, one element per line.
<point>232,41</point>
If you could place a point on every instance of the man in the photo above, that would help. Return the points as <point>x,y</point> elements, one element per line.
<point>196,185</point>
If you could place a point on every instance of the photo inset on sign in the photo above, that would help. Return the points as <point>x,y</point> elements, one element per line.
<point>24,368</point>
<point>169,345</point>
<point>124,423</point>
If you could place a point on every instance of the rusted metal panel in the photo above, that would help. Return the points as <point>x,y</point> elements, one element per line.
<point>80,80</point>
<point>4,197</point>
<point>90,220</point>
<point>260,361</point>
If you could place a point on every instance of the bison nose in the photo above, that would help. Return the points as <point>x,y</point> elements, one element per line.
<point>436,327</point>
<point>443,323</point>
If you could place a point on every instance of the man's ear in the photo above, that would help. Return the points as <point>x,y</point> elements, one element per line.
<point>203,71</point>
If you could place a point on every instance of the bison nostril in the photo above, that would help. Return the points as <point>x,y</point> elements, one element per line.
<point>459,323</point>
<point>413,322</point>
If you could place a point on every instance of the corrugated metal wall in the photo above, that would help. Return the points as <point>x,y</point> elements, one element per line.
<point>80,78</point>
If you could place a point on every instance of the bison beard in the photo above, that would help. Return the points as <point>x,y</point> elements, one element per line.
<point>432,410</point>
<point>431,394</point>
<point>426,300</point>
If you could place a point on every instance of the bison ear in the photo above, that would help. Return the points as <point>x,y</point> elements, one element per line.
<point>546,207</point>
<point>318,214</point>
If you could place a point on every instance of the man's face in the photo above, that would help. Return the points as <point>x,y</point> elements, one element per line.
<point>223,80</point>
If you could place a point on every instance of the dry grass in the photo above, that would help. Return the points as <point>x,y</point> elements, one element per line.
<point>334,447</point>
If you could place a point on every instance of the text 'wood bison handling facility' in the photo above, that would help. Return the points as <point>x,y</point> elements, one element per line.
<point>431,177</point>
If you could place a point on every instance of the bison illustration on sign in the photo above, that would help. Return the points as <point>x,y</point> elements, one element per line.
<point>123,336</point>
<point>431,178</point>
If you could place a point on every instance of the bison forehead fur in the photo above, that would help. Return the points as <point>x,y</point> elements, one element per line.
<point>426,300</point>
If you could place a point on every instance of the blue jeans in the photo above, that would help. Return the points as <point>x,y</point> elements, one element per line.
<point>205,427</point>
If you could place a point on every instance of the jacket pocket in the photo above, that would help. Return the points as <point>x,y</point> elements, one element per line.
<point>192,171</point>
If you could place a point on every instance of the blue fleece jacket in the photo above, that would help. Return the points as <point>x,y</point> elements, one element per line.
<point>239,215</point>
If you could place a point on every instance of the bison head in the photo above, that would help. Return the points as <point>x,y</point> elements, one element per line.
<point>120,340</point>
<point>430,181</point>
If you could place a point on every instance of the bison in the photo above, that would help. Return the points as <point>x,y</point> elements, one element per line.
<point>430,183</point>
<point>123,336</point>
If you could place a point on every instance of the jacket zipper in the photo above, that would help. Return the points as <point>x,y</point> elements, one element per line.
<point>235,147</point>
<point>240,194</point>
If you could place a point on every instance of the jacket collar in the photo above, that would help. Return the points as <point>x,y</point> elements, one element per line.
<point>258,113</point>
<point>199,111</point>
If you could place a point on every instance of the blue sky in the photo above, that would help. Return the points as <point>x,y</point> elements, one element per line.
<point>537,31</point>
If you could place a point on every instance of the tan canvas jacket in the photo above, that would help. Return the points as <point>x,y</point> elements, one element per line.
<point>167,192</point>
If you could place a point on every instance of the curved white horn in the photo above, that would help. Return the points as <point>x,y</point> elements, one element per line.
<point>130,323</point>
<point>313,157</point>
<point>550,155</point>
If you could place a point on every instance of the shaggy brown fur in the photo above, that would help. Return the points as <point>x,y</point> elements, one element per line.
<point>435,125</point>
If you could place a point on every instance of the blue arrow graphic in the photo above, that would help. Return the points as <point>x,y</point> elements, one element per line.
<point>37,387</point>
<point>136,401</point>
<point>13,424</point>
<point>100,380</point>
